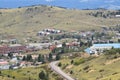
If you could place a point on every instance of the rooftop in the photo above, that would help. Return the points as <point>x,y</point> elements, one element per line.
<point>115,45</point>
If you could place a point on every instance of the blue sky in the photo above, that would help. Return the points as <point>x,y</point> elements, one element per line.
<point>79,4</point>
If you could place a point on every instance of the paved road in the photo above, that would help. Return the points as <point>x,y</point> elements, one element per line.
<point>59,71</point>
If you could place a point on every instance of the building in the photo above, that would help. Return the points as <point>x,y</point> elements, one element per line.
<point>16,48</point>
<point>42,33</point>
<point>39,45</point>
<point>117,16</point>
<point>99,48</point>
<point>4,64</point>
<point>48,32</point>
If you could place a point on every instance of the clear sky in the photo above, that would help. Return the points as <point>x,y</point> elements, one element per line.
<point>79,4</point>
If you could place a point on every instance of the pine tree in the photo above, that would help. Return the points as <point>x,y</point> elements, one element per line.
<point>57,57</point>
<point>39,58</point>
<point>42,75</point>
<point>50,56</point>
<point>43,59</point>
<point>24,58</point>
<point>64,44</point>
<point>72,61</point>
<point>29,58</point>
<point>60,64</point>
<point>10,55</point>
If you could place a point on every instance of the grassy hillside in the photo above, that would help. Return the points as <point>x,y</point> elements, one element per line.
<point>30,73</point>
<point>28,20</point>
<point>100,68</point>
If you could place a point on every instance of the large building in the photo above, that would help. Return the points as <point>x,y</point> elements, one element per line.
<point>4,64</point>
<point>99,48</point>
<point>16,48</point>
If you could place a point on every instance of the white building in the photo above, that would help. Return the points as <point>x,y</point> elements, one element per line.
<point>117,16</point>
<point>39,45</point>
<point>99,48</point>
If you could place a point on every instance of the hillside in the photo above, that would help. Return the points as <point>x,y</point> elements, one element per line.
<point>94,68</point>
<point>28,73</point>
<point>29,20</point>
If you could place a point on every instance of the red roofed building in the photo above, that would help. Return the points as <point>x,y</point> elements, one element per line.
<point>3,63</point>
<point>12,48</point>
<point>52,47</point>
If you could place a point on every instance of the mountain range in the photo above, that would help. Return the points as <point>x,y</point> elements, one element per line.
<point>77,4</point>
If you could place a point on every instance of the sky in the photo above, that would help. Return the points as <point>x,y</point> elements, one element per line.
<point>78,4</point>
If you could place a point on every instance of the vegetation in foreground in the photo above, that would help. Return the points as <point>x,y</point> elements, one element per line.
<point>104,67</point>
<point>33,73</point>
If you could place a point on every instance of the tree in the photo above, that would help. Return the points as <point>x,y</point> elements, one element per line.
<point>89,43</point>
<point>72,61</point>
<point>10,55</point>
<point>63,44</point>
<point>81,44</point>
<point>24,58</point>
<point>42,75</point>
<point>118,40</point>
<point>29,57</point>
<point>71,72</point>
<point>8,76</point>
<point>13,77</point>
<point>50,56</point>
<point>43,59</point>
<point>58,57</point>
<point>39,58</point>
<point>0,73</point>
<point>60,64</point>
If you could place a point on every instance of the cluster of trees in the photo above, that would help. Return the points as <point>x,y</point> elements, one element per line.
<point>10,55</point>
<point>41,58</point>
<point>105,14</point>
<point>113,51</point>
<point>27,58</point>
<point>112,54</point>
<point>66,35</point>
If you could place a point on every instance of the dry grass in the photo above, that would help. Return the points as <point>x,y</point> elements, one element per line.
<point>97,69</point>
<point>23,22</point>
<point>30,73</point>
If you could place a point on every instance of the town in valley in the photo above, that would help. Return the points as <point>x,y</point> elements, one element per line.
<point>54,43</point>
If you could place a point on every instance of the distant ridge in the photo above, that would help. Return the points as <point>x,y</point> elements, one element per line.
<point>30,20</point>
<point>70,4</point>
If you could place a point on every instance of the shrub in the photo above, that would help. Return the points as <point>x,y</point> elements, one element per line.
<point>42,75</point>
<point>72,61</point>
<point>115,73</point>
<point>87,67</point>
<point>79,61</point>
<point>13,77</point>
<point>60,64</point>
<point>101,70</point>
<point>8,76</point>
<point>71,72</point>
